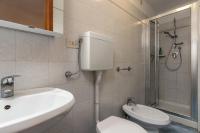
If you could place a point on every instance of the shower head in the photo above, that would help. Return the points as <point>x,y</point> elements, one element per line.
<point>167,33</point>
<point>170,35</point>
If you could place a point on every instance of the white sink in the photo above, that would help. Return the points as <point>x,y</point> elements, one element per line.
<point>30,108</point>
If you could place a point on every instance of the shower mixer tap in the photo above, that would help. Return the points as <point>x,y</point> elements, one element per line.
<point>178,44</point>
<point>131,101</point>
<point>181,43</point>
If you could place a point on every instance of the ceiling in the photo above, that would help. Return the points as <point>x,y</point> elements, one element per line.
<point>179,15</point>
<point>164,5</point>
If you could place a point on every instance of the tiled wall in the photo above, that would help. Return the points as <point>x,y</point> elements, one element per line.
<point>175,87</point>
<point>42,61</point>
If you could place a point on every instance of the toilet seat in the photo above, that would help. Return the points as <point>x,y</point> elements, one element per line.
<point>118,125</point>
<point>147,114</point>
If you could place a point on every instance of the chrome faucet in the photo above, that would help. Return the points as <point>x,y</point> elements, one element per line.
<point>131,101</point>
<point>7,86</point>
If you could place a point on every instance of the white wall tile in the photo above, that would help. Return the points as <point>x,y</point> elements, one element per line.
<point>24,42</point>
<point>57,49</point>
<point>7,45</point>
<point>81,117</point>
<point>31,47</point>
<point>7,69</point>
<point>33,75</point>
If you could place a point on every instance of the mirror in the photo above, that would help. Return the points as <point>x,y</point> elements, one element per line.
<point>33,13</point>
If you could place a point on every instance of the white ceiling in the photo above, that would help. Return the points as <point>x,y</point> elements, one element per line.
<point>179,15</point>
<point>164,5</point>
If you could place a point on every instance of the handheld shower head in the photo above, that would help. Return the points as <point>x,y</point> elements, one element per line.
<point>170,35</point>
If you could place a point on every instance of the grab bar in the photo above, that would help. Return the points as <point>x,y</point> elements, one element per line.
<point>124,69</point>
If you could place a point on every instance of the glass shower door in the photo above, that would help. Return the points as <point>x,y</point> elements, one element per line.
<point>153,98</point>
<point>171,63</point>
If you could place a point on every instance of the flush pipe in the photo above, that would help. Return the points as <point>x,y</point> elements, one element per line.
<point>98,79</point>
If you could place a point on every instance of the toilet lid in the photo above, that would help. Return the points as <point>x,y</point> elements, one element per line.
<point>147,114</point>
<point>118,125</point>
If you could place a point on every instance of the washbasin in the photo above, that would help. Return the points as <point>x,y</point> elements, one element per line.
<point>30,108</point>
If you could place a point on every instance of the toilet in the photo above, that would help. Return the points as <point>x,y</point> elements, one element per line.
<point>91,59</point>
<point>115,124</point>
<point>150,118</point>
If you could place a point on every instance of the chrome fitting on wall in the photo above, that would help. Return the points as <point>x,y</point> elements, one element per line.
<point>69,74</point>
<point>124,69</point>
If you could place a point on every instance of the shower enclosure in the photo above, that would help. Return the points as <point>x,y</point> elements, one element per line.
<point>171,62</point>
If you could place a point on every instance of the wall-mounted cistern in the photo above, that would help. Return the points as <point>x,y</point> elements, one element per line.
<point>7,86</point>
<point>92,59</point>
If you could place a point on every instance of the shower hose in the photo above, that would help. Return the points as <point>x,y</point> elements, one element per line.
<point>166,61</point>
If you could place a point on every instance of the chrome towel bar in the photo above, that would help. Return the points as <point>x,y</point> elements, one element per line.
<point>124,69</point>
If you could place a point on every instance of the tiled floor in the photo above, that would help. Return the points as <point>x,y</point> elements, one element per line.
<point>176,128</point>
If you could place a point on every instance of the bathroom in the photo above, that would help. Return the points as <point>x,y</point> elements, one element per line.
<point>37,58</point>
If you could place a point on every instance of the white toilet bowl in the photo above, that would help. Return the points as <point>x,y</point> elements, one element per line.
<point>118,125</point>
<point>148,117</point>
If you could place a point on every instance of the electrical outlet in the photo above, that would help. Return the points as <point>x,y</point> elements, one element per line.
<point>72,44</point>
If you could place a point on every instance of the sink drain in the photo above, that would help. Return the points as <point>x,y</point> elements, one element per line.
<point>7,107</point>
